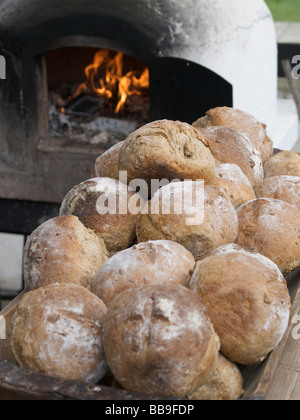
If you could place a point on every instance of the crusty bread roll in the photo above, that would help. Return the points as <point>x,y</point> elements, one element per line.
<point>57,332</point>
<point>62,250</point>
<point>230,146</point>
<point>214,223</point>
<point>107,165</point>
<point>283,163</point>
<point>166,150</point>
<point>145,263</point>
<point>158,339</point>
<point>224,384</point>
<point>247,301</point>
<point>102,204</point>
<point>231,179</point>
<point>241,121</point>
<point>271,227</point>
<point>282,187</point>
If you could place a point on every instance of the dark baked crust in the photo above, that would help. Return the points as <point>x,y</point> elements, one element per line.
<point>243,122</point>
<point>146,263</point>
<point>219,226</point>
<point>166,150</point>
<point>159,339</point>
<point>107,165</point>
<point>283,163</point>
<point>117,230</point>
<point>247,300</point>
<point>231,146</point>
<point>63,250</point>
<point>57,332</point>
<point>272,228</point>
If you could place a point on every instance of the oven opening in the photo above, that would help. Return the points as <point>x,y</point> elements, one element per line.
<point>96,97</point>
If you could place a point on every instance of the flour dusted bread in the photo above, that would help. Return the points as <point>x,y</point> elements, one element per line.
<point>272,228</point>
<point>63,250</point>
<point>283,163</point>
<point>231,179</point>
<point>241,121</point>
<point>224,384</point>
<point>230,146</point>
<point>146,263</point>
<point>158,339</point>
<point>283,187</point>
<point>166,150</point>
<point>199,227</point>
<point>247,301</point>
<point>57,332</point>
<point>102,204</point>
<point>107,165</point>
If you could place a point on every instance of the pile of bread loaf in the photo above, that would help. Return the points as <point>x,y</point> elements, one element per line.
<point>169,308</point>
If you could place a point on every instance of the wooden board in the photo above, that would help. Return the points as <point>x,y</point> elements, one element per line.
<point>8,313</point>
<point>278,378</point>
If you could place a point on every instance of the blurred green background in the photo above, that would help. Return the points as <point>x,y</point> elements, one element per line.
<point>285,10</point>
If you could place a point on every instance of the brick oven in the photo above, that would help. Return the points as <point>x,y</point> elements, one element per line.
<point>199,54</point>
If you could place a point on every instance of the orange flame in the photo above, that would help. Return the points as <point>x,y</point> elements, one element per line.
<point>106,78</point>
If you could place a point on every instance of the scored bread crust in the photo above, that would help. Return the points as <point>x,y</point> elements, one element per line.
<point>57,332</point>
<point>63,250</point>
<point>230,146</point>
<point>283,187</point>
<point>247,300</point>
<point>166,150</point>
<point>243,122</point>
<point>272,228</point>
<point>146,263</point>
<point>159,339</point>
<point>117,226</point>
<point>283,163</point>
<point>219,225</point>
<point>231,179</point>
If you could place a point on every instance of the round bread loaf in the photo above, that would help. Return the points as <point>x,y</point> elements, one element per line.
<point>230,146</point>
<point>199,227</point>
<point>283,163</point>
<point>145,263</point>
<point>159,339</point>
<point>63,250</point>
<point>241,121</point>
<point>283,187</point>
<point>57,332</point>
<point>231,180</point>
<point>166,150</point>
<point>272,228</point>
<point>224,384</point>
<point>102,204</point>
<point>107,165</point>
<point>247,301</point>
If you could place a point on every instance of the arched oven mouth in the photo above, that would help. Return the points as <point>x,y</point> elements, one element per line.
<point>97,96</point>
<point>195,57</point>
